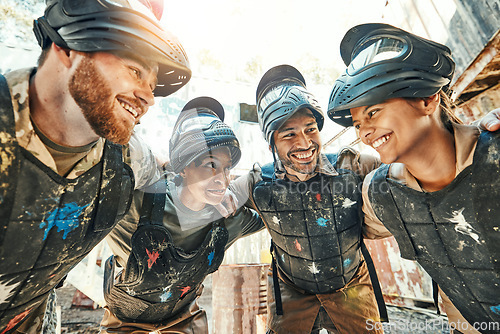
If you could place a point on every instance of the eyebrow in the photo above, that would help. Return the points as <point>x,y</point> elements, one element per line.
<point>147,65</point>
<point>291,128</point>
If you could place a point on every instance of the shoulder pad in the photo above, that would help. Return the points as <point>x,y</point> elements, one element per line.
<point>268,171</point>
<point>332,157</point>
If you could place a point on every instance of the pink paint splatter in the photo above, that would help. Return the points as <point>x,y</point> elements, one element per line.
<point>298,246</point>
<point>156,6</point>
<point>185,290</point>
<point>152,257</point>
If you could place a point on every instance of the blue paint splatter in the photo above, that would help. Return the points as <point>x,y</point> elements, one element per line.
<point>211,257</point>
<point>65,219</point>
<point>495,309</point>
<point>322,221</point>
<point>347,262</point>
<point>165,296</point>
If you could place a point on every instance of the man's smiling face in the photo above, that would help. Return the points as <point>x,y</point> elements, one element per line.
<point>298,144</point>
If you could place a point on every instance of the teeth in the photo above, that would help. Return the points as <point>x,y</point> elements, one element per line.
<point>380,141</point>
<point>304,155</point>
<point>129,108</point>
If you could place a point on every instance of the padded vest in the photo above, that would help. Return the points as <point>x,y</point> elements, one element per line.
<point>160,280</point>
<point>315,227</point>
<point>454,232</point>
<point>48,222</point>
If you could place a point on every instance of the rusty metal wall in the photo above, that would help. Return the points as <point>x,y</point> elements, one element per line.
<point>238,296</point>
<point>403,282</point>
<point>479,105</point>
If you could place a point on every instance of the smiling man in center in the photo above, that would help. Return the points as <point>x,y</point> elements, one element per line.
<point>311,204</point>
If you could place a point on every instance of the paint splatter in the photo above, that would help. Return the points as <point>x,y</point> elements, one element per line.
<point>462,225</point>
<point>152,257</point>
<point>65,219</point>
<point>211,257</point>
<point>298,246</point>
<point>348,203</point>
<point>185,290</point>
<point>318,197</point>
<point>495,309</point>
<point>347,262</point>
<point>14,321</point>
<point>493,154</point>
<point>165,295</point>
<point>322,221</point>
<point>7,290</point>
<point>313,268</point>
<point>337,198</point>
<point>276,220</point>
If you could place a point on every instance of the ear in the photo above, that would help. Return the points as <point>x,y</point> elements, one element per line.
<point>182,173</point>
<point>431,103</point>
<point>65,56</point>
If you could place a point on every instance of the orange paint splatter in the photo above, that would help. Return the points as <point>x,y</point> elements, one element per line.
<point>318,197</point>
<point>152,257</point>
<point>14,321</point>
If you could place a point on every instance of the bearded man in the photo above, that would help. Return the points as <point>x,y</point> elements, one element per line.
<point>64,182</point>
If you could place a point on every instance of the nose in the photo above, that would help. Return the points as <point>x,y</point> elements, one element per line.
<point>303,140</point>
<point>222,177</point>
<point>365,130</point>
<point>145,94</point>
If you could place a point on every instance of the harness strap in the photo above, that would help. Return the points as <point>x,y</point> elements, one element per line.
<point>382,309</point>
<point>153,206</point>
<point>108,200</point>
<point>276,284</point>
<point>435,296</point>
<point>9,157</point>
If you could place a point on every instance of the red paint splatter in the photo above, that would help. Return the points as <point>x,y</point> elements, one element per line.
<point>185,290</point>
<point>318,197</point>
<point>298,246</point>
<point>14,321</point>
<point>152,257</point>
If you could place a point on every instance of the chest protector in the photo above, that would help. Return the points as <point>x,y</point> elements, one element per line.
<point>48,222</point>
<point>453,233</point>
<point>315,227</point>
<point>161,279</point>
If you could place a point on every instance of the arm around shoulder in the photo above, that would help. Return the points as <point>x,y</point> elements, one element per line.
<point>147,168</point>
<point>360,163</point>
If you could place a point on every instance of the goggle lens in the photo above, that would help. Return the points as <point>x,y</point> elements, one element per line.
<point>376,50</point>
<point>274,94</point>
<point>200,122</point>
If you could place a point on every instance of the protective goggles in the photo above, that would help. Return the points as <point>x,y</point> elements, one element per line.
<point>376,50</point>
<point>202,121</point>
<point>195,120</point>
<point>277,92</point>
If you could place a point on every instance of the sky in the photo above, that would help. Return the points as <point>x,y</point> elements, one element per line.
<point>275,31</point>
